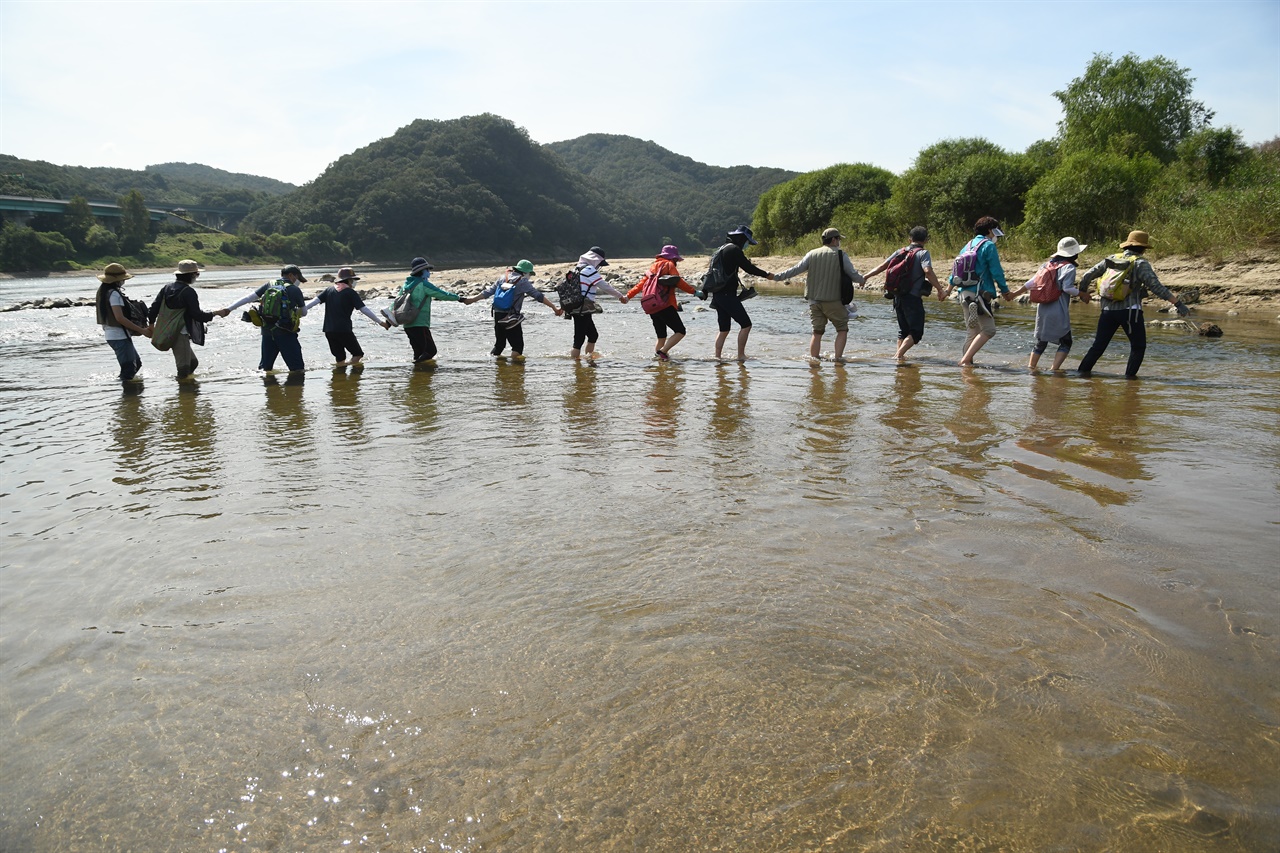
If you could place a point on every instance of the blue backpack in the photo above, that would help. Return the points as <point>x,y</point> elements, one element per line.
<point>505,300</point>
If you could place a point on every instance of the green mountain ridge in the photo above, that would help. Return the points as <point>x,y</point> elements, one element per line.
<point>474,187</point>
<point>706,200</point>
<point>166,183</point>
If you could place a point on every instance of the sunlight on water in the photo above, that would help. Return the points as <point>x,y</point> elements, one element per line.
<point>630,605</point>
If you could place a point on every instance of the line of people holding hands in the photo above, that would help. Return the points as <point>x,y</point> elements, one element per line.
<point>175,320</point>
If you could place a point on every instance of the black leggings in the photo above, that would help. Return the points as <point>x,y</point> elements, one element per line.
<point>503,336</point>
<point>729,309</point>
<point>668,316</point>
<point>1135,329</point>
<point>584,329</point>
<point>340,342</point>
<point>1064,344</point>
<point>424,346</point>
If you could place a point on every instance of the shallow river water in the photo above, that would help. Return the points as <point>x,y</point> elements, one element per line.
<point>638,606</point>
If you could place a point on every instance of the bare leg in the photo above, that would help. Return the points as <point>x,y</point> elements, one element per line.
<point>589,349</point>
<point>743,334</point>
<point>1058,358</point>
<point>905,344</point>
<point>841,339</point>
<point>979,341</point>
<point>660,345</point>
<point>672,341</point>
<point>815,345</point>
<point>1035,359</point>
<point>720,339</point>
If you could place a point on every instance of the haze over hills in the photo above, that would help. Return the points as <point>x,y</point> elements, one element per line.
<point>165,183</point>
<point>469,188</point>
<point>705,200</point>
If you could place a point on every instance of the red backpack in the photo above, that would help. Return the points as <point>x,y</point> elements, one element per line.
<point>900,271</point>
<point>1044,287</point>
<point>655,293</point>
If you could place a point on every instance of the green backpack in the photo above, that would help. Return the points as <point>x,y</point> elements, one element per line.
<point>1118,279</point>
<point>276,310</point>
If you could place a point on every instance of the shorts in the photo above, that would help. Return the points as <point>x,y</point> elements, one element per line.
<point>667,317</point>
<point>731,311</point>
<point>821,312</point>
<point>910,313</point>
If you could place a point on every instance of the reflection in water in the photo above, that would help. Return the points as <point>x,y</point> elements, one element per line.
<point>130,426</point>
<point>906,416</point>
<point>344,400</point>
<point>286,423</point>
<point>662,410</point>
<point>417,399</point>
<point>827,423</point>
<point>972,424</point>
<point>820,627</point>
<point>508,385</point>
<point>731,411</point>
<point>1116,419</point>
<point>185,440</point>
<point>580,407</point>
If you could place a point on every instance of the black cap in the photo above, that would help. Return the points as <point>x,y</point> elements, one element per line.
<point>293,268</point>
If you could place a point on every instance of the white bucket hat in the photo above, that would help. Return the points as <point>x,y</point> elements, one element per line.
<point>1068,247</point>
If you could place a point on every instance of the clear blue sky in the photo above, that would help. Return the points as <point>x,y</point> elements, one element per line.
<point>282,89</point>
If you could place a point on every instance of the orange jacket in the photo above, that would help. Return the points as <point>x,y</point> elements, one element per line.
<point>662,267</point>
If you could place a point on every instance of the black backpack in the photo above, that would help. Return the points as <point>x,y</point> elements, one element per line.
<point>569,292</point>
<point>716,277</point>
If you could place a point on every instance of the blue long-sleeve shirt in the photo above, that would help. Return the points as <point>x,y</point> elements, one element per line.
<point>990,272</point>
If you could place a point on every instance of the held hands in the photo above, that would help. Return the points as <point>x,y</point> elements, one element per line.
<point>148,331</point>
<point>224,312</point>
<point>624,299</point>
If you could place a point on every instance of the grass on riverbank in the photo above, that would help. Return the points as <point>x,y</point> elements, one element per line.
<point>205,248</point>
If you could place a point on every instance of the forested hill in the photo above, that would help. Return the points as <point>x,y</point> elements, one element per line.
<point>706,200</point>
<point>168,183</point>
<point>468,188</point>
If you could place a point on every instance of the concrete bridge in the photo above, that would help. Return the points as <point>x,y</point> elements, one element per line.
<point>21,208</point>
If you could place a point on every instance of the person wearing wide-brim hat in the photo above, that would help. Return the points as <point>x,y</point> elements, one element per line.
<point>118,316</point>
<point>179,296</point>
<point>1053,318</point>
<point>508,295</point>
<point>340,300</point>
<point>422,292</point>
<point>730,259</point>
<point>664,313</point>
<point>1128,276</point>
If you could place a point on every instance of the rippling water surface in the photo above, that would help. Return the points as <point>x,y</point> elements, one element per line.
<point>639,606</point>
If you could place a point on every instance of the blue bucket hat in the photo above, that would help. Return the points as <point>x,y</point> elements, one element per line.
<point>417,265</point>
<point>743,231</point>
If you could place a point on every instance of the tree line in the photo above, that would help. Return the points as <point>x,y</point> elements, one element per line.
<point>1133,149</point>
